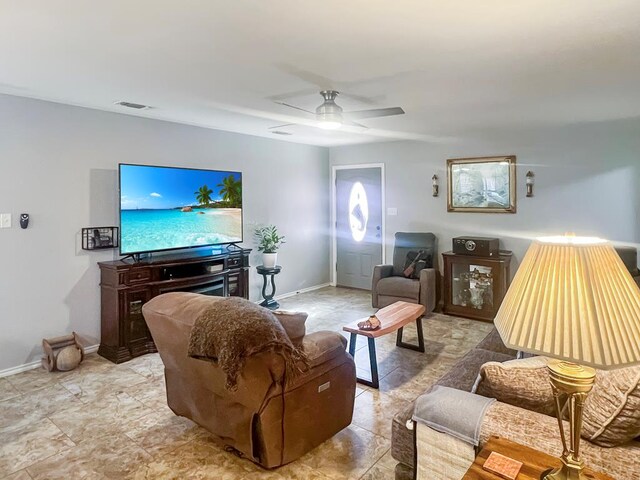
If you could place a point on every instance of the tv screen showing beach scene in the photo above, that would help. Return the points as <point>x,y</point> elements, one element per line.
<point>166,208</point>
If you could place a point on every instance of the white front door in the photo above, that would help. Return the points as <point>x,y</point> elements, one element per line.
<point>358,206</point>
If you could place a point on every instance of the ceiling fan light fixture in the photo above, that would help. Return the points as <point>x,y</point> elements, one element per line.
<point>329,125</point>
<point>329,115</point>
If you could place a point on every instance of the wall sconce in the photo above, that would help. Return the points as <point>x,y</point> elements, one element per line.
<point>436,188</point>
<point>530,176</point>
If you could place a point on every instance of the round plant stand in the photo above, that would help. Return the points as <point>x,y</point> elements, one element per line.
<point>268,301</point>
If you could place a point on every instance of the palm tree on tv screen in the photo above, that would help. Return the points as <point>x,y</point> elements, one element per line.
<point>203,195</point>
<point>231,191</point>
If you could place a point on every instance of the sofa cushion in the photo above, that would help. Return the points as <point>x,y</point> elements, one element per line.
<point>523,383</point>
<point>399,287</point>
<point>612,409</point>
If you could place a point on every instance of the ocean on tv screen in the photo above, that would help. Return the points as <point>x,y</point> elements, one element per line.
<point>148,230</point>
<point>164,208</point>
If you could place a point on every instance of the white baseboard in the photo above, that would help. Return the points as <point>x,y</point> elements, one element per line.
<point>304,290</point>
<point>37,364</point>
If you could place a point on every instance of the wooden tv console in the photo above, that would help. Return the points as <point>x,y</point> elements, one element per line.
<point>125,286</point>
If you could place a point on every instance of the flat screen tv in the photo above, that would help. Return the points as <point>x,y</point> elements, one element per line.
<point>168,208</point>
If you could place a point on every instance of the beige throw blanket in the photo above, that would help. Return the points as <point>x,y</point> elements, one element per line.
<point>234,329</point>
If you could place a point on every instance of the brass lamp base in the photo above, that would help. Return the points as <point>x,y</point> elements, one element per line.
<point>571,384</point>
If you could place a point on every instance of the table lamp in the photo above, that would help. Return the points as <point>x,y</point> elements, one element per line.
<point>573,300</point>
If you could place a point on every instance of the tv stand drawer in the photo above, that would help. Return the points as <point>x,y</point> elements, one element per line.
<point>138,275</point>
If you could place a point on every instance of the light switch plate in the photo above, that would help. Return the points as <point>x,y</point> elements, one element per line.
<point>392,211</point>
<point>5,220</point>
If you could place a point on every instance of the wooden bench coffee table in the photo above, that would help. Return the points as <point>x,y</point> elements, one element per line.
<point>392,318</point>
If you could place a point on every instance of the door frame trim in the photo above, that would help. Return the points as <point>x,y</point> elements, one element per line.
<point>334,239</point>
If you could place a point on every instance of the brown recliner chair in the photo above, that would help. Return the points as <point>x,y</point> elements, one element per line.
<point>270,419</point>
<point>389,284</point>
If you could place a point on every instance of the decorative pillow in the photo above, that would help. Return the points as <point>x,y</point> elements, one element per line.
<point>407,241</point>
<point>293,324</point>
<point>611,414</point>
<point>423,260</point>
<point>522,383</point>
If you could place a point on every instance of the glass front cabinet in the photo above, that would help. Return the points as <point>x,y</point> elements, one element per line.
<point>475,286</point>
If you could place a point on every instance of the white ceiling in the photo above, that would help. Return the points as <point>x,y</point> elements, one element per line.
<point>453,66</point>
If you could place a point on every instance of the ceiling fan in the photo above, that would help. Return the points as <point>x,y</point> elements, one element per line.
<point>330,115</point>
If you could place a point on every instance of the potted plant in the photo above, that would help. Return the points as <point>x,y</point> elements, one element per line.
<point>268,243</point>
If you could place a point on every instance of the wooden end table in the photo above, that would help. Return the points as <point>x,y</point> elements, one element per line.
<point>535,463</point>
<point>392,318</point>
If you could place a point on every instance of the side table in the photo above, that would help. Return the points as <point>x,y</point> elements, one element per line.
<point>535,463</point>
<point>268,301</point>
<point>393,318</point>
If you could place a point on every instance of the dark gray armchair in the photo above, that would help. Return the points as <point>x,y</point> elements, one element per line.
<point>389,284</point>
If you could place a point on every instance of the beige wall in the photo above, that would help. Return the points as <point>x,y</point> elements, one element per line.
<point>59,163</point>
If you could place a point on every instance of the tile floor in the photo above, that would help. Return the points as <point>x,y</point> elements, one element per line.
<point>106,421</point>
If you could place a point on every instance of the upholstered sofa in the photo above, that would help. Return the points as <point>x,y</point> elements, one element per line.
<point>527,427</point>
<point>270,419</point>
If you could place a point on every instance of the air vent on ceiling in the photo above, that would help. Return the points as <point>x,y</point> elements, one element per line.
<point>136,106</point>
<point>280,132</point>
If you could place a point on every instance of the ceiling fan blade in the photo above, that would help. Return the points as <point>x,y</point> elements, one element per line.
<point>354,124</point>
<point>281,126</point>
<point>362,99</point>
<point>323,83</point>
<point>298,93</point>
<point>297,108</point>
<point>375,112</point>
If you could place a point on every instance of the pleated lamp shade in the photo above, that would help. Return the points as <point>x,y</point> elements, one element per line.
<point>573,299</point>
